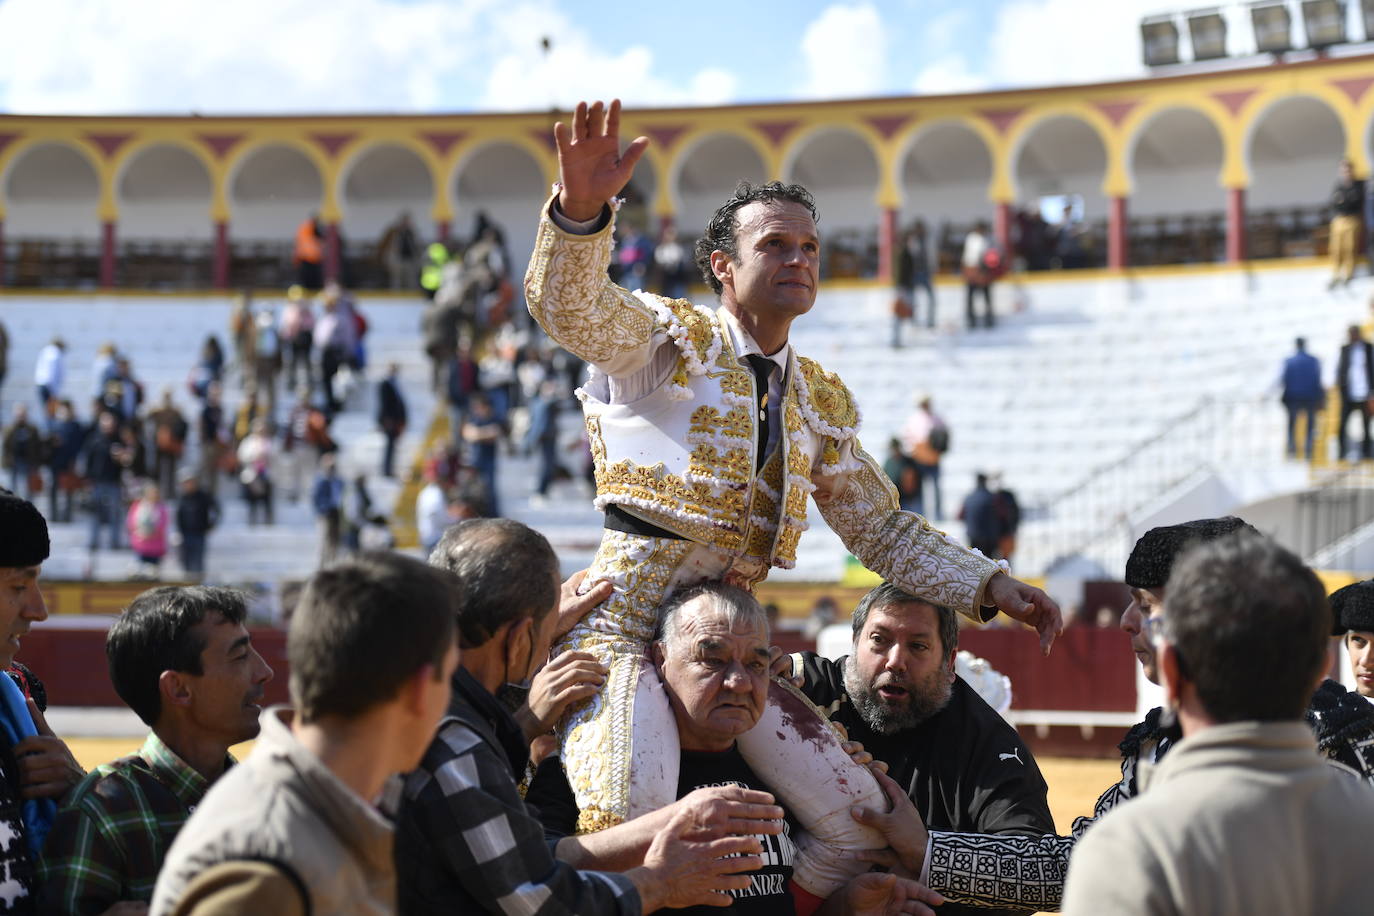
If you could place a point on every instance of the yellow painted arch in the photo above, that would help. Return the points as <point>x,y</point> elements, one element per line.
<point>255,143</point>
<point>1252,114</point>
<point>353,153</point>
<point>689,143</point>
<point>72,139</point>
<point>870,138</point>
<point>905,143</point>
<point>1134,126</point>
<point>216,205</point>
<point>1024,127</point>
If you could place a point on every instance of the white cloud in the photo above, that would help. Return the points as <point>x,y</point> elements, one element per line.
<point>575,68</point>
<point>115,56</point>
<point>1039,43</point>
<point>845,51</point>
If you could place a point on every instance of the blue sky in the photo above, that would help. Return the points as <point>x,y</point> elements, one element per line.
<point>175,56</point>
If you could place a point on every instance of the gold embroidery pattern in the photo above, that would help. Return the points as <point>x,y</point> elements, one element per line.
<point>826,402</point>
<point>901,546</point>
<point>596,737</point>
<point>571,297</point>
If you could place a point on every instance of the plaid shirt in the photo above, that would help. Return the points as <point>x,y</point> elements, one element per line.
<point>111,836</point>
<point>465,841</point>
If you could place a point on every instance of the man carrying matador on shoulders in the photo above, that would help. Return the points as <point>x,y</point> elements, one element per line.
<point>708,433</point>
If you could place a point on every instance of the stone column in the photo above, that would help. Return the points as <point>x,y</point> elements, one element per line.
<point>1235,225</point>
<point>332,254</point>
<point>219,270</point>
<point>1118,235</point>
<point>107,254</point>
<point>887,242</point>
<point>1001,229</point>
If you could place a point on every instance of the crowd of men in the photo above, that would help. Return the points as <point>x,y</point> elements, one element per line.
<point>469,735</point>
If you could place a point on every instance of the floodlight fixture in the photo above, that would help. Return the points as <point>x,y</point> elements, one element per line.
<point>1325,22</point>
<point>1273,26</point>
<point>1159,40</point>
<point>1367,13</point>
<point>1207,29</point>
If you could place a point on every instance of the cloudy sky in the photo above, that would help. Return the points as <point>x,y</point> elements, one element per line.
<point>176,56</point>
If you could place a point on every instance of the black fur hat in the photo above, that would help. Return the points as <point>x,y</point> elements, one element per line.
<point>1352,608</point>
<point>1152,558</point>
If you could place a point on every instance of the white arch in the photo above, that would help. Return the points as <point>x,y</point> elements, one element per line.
<point>706,171</point>
<point>503,180</point>
<point>1292,150</point>
<point>52,190</point>
<point>272,190</point>
<point>380,183</point>
<point>164,192</point>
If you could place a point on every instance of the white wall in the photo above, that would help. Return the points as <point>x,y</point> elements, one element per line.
<point>1177,191</point>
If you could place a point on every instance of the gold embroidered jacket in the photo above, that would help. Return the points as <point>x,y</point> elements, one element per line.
<point>683,456</point>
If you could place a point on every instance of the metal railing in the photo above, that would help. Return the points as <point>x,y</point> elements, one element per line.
<point>1093,518</point>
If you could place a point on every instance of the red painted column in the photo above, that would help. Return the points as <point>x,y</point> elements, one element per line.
<point>441,230</point>
<point>2,252</point>
<point>107,254</point>
<point>219,271</point>
<point>1001,228</point>
<point>331,253</point>
<point>1118,235</point>
<point>1235,225</point>
<point>887,241</point>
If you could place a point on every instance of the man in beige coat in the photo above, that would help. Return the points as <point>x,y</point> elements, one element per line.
<point>1243,816</point>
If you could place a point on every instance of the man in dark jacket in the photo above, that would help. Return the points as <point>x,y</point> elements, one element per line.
<point>950,752</point>
<point>1347,219</point>
<point>391,415</point>
<point>981,519</point>
<point>1355,377</point>
<point>197,513</point>
<point>102,458</point>
<point>1302,393</point>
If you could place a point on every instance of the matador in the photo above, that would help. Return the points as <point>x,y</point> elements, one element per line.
<point>708,433</point>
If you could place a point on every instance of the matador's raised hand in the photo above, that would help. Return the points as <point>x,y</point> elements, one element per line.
<point>590,163</point>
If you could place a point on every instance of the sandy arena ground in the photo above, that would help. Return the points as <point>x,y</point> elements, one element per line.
<point>1074,783</point>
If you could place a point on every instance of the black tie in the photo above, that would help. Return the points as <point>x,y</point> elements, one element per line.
<point>763,368</point>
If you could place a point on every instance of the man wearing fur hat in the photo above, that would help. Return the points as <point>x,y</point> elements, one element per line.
<point>1353,609</point>
<point>708,434</point>
<point>35,766</point>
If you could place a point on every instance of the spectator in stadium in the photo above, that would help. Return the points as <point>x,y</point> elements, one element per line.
<point>22,452</point>
<point>308,254</point>
<point>197,515</point>
<point>926,438</point>
<point>1355,378</point>
<point>913,274</point>
<point>267,360</point>
<point>48,375</point>
<point>64,448</point>
<point>102,460</point>
<point>1068,241</point>
<point>947,750</point>
<point>214,442</point>
<point>1302,394</point>
<point>146,525</point>
<point>327,497</point>
<point>1008,516</point>
<point>181,658</point>
<point>399,251</point>
<point>981,518</point>
<point>464,380</point>
<point>1243,639</point>
<point>542,435</point>
<point>483,432</point>
<point>36,767</point>
<point>169,441</point>
<point>391,415</point>
<point>672,264</point>
<point>1347,221</point>
<point>255,471</point>
<point>295,827</point>
<point>978,276</point>
<point>103,369</point>
<point>1342,722</point>
<point>1352,608</point>
<point>431,510</point>
<point>464,791</point>
<point>901,469</point>
<point>334,340</point>
<point>296,335</point>
<point>209,367</point>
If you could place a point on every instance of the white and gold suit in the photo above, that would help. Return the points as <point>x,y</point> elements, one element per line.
<point>671,410</point>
